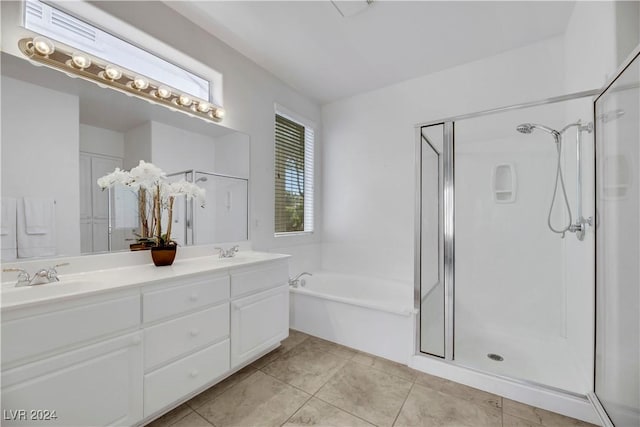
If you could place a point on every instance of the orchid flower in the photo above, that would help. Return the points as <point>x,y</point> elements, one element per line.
<point>147,178</point>
<point>147,175</point>
<point>186,188</point>
<point>116,177</point>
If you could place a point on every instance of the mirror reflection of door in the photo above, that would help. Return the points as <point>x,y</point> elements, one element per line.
<point>97,160</point>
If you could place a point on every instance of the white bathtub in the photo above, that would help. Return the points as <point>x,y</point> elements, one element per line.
<point>371,315</point>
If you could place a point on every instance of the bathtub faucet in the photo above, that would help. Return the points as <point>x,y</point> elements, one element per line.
<point>295,281</point>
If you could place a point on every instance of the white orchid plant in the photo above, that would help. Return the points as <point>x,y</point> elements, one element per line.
<point>149,179</point>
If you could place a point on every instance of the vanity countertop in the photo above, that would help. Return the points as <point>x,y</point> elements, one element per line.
<point>100,281</point>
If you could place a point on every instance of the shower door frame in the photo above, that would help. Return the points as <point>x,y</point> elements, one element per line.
<point>448,189</point>
<point>445,232</point>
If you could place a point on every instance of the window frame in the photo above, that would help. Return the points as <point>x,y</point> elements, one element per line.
<point>309,170</point>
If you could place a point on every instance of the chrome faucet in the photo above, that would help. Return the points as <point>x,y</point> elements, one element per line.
<point>297,281</point>
<point>229,253</point>
<point>40,277</point>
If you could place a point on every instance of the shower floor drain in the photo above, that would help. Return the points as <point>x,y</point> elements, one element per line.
<point>495,357</point>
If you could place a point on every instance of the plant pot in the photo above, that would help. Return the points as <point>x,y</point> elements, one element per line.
<point>163,255</point>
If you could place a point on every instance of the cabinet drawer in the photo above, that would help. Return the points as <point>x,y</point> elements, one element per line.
<point>190,295</point>
<point>256,279</point>
<point>30,336</point>
<point>170,339</point>
<point>174,381</point>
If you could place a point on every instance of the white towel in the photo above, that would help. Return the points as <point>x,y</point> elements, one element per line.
<point>8,243</point>
<point>41,244</point>
<point>38,214</point>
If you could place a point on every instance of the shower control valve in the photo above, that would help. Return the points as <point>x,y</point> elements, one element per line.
<point>580,227</point>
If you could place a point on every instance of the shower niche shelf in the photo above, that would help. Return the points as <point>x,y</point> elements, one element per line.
<point>503,183</point>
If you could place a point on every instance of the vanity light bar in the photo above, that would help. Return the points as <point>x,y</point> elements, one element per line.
<point>77,63</point>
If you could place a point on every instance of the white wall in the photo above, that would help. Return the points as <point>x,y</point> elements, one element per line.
<point>234,155</point>
<point>137,145</point>
<point>52,149</point>
<point>250,93</point>
<point>101,141</point>
<point>176,150</point>
<point>368,178</point>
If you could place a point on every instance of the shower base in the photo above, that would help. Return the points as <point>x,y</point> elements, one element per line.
<point>549,362</point>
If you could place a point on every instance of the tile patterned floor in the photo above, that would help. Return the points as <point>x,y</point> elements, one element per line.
<point>311,382</point>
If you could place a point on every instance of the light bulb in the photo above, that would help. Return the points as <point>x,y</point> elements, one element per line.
<point>184,100</point>
<point>112,73</point>
<point>43,46</point>
<point>80,60</point>
<point>140,83</point>
<point>203,107</point>
<point>218,113</point>
<point>163,92</point>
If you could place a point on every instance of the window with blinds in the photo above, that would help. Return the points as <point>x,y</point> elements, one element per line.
<point>293,176</point>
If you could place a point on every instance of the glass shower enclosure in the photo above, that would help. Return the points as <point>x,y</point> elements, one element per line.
<point>522,214</point>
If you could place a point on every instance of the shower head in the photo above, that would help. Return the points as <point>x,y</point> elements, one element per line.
<point>528,128</point>
<point>525,128</point>
<point>202,179</point>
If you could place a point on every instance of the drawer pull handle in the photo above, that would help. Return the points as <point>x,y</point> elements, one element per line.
<point>195,332</point>
<point>194,297</point>
<point>193,373</point>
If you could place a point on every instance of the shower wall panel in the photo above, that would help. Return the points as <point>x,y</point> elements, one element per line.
<point>509,277</point>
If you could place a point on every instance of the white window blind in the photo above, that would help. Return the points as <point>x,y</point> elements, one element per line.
<point>293,176</point>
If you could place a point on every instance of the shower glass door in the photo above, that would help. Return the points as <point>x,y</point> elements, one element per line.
<point>429,244</point>
<point>617,379</point>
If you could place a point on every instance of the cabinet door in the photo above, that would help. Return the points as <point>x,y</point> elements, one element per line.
<point>97,385</point>
<point>258,322</point>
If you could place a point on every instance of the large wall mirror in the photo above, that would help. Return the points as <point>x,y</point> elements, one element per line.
<point>60,134</point>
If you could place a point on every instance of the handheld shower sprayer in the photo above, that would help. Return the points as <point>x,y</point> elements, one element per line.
<point>528,128</point>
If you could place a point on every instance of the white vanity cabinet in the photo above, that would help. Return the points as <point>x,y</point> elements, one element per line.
<point>73,364</point>
<point>259,311</point>
<point>124,356</point>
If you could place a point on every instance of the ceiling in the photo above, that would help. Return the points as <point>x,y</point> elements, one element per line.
<point>311,47</point>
